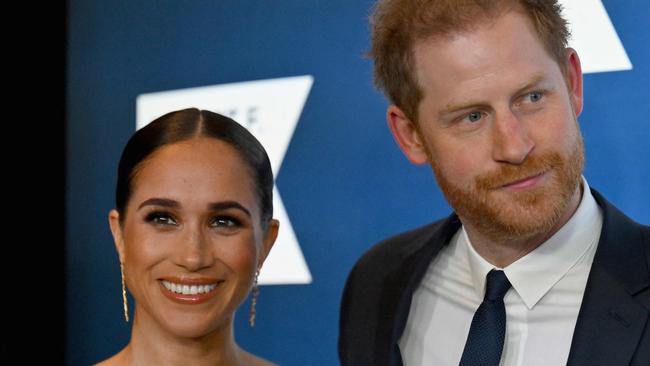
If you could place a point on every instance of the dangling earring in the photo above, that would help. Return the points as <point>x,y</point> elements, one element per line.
<point>126,307</point>
<point>255,293</point>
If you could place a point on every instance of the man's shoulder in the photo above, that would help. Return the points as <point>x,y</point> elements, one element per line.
<point>377,282</point>
<point>617,221</point>
<point>389,253</point>
<point>624,247</point>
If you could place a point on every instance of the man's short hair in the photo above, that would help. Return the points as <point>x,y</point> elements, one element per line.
<point>398,24</point>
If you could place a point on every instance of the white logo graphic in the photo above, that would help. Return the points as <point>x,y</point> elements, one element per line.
<point>593,36</point>
<point>269,109</point>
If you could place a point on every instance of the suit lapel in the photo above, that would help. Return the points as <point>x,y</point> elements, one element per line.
<point>611,320</point>
<point>609,326</point>
<point>399,287</point>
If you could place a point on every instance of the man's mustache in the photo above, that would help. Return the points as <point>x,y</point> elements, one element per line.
<point>510,173</point>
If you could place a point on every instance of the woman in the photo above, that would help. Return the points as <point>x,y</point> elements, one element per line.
<point>192,227</point>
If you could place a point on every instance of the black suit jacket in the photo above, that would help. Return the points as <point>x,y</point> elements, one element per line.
<point>613,326</point>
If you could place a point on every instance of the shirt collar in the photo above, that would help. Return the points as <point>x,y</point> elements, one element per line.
<point>534,274</point>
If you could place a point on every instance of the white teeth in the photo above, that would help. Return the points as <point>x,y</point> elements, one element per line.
<point>188,289</point>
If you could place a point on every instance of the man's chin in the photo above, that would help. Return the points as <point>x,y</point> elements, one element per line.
<point>504,215</point>
<point>522,221</point>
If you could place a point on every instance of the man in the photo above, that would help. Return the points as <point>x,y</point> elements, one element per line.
<point>534,267</point>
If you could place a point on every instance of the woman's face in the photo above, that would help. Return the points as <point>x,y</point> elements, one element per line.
<point>191,239</point>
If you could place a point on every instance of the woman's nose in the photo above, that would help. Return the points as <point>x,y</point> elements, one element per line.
<point>194,252</point>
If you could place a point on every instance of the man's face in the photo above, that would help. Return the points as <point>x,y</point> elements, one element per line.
<point>498,125</point>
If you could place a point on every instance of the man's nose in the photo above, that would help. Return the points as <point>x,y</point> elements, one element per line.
<point>511,142</point>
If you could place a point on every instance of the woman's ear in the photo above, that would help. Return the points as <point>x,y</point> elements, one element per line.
<point>269,239</point>
<point>116,230</point>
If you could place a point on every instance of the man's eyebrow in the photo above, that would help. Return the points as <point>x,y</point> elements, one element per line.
<point>534,80</point>
<point>451,108</point>
<point>164,202</point>
<point>217,206</point>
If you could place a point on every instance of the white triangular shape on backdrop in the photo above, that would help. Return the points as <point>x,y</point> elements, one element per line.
<point>270,109</point>
<point>593,36</point>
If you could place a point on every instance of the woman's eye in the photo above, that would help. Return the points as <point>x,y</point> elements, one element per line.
<point>225,222</point>
<point>161,218</point>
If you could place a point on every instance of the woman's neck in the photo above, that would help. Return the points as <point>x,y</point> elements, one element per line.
<point>153,345</point>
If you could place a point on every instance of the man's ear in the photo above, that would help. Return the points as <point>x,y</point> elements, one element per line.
<point>269,239</point>
<point>116,230</point>
<point>406,135</point>
<point>574,80</point>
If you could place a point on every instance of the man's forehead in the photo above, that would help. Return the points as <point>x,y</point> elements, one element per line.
<point>468,17</point>
<point>469,48</point>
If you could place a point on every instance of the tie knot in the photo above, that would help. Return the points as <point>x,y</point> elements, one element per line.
<point>497,285</point>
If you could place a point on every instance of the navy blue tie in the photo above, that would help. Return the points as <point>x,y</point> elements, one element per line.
<point>487,332</point>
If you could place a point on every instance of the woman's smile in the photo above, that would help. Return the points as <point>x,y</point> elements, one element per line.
<point>190,292</point>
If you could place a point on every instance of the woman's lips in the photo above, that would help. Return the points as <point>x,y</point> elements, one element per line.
<point>189,291</point>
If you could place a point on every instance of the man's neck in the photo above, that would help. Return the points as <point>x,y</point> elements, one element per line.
<point>504,251</point>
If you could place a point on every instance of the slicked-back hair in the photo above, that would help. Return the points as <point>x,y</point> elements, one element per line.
<point>185,125</point>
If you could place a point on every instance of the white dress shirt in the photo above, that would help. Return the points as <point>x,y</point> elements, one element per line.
<point>541,307</point>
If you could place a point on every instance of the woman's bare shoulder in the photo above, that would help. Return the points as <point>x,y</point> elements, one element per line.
<point>115,360</point>
<point>253,360</point>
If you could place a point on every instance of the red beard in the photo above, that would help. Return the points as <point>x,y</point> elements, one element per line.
<point>501,215</point>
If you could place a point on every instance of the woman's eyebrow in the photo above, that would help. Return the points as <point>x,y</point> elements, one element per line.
<point>217,206</point>
<point>165,202</point>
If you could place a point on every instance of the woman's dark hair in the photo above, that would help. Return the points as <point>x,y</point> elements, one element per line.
<point>187,124</point>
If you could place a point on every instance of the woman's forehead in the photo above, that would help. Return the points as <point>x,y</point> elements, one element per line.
<point>197,169</point>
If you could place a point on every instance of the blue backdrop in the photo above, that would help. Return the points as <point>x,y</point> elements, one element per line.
<point>344,183</point>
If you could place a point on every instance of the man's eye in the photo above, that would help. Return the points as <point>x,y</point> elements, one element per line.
<point>535,96</point>
<point>474,116</point>
<point>161,218</point>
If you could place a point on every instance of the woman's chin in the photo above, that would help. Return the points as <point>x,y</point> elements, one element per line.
<point>187,327</point>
